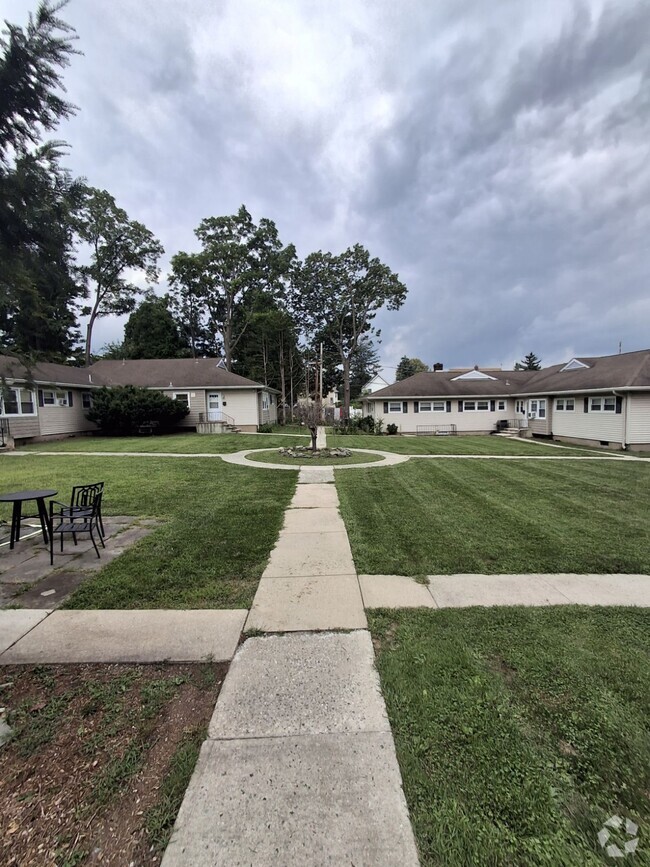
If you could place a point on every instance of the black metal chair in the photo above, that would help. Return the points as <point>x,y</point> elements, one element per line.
<point>74,520</point>
<point>81,502</point>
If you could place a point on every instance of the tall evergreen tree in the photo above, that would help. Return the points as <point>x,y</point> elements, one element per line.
<point>151,332</point>
<point>409,366</point>
<point>38,282</point>
<point>530,362</point>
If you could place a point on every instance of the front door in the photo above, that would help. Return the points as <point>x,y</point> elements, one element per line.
<point>214,406</point>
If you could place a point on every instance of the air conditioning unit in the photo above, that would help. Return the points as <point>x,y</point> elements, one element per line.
<point>532,415</point>
<point>61,401</point>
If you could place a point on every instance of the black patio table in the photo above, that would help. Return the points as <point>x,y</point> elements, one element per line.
<point>20,497</point>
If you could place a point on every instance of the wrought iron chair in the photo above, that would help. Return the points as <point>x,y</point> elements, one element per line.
<point>83,518</point>
<point>81,501</point>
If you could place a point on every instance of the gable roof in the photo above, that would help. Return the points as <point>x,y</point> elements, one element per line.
<point>149,373</point>
<point>170,373</point>
<point>627,370</point>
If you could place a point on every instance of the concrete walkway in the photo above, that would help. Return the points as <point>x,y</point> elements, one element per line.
<point>299,767</point>
<point>28,636</point>
<point>461,591</point>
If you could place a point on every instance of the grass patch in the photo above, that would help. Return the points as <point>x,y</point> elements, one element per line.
<point>518,731</point>
<point>183,443</point>
<point>220,524</point>
<point>444,517</point>
<point>272,457</point>
<point>161,817</point>
<point>458,445</point>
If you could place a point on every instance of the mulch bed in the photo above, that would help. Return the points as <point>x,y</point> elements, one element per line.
<point>99,759</point>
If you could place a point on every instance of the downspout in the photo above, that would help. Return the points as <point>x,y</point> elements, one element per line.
<point>624,398</point>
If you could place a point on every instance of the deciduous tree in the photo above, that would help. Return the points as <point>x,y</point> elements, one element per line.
<point>118,247</point>
<point>408,367</point>
<point>341,296</point>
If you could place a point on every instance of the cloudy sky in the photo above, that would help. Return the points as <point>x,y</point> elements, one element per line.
<point>496,155</point>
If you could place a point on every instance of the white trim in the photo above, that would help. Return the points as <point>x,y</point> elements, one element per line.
<point>574,364</point>
<point>501,405</point>
<point>19,403</point>
<point>473,374</point>
<point>565,404</point>
<point>476,407</point>
<point>601,401</point>
<point>177,394</point>
<point>397,403</point>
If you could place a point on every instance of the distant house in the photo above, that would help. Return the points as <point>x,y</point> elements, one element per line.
<point>375,384</point>
<point>51,400</point>
<point>597,401</point>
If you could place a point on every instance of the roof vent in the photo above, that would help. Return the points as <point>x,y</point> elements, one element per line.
<point>473,374</point>
<point>171,384</point>
<point>90,377</point>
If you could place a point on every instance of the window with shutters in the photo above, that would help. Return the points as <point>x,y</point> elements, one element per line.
<point>394,406</point>
<point>86,399</point>
<point>501,405</point>
<point>476,405</point>
<point>602,404</point>
<point>565,404</point>
<point>49,398</point>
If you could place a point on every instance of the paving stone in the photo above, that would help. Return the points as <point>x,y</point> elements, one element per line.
<point>130,636</point>
<point>311,554</point>
<point>303,603</point>
<point>316,800</point>
<point>35,568</point>
<point>312,521</point>
<point>603,589</point>
<point>131,536</point>
<point>459,591</point>
<point>315,475</point>
<point>315,497</point>
<point>394,591</point>
<point>311,684</point>
<point>17,622</point>
<point>63,582</point>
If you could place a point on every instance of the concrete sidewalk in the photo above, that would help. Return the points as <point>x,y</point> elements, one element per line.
<point>119,636</point>
<point>299,767</point>
<point>461,591</point>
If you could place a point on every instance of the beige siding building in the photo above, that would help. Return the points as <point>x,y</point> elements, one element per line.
<point>49,401</point>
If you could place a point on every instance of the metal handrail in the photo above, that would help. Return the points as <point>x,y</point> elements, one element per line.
<point>4,432</point>
<point>222,417</point>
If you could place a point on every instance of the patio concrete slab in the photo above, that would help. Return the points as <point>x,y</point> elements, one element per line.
<point>311,554</point>
<point>460,591</point>
<point>17,622</point>
<point>300,603</point>
<point>603,589</point>
<point>314,800</point>
<point>130,636</point>
<point>394,591</point>
<point>311,684</point>
<point>315,475</point>
<point>312,521</point>
<point>315,497</point>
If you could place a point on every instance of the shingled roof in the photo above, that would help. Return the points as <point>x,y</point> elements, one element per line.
<point>45,372</point>
<point>169,373</point>
<point>623,371</point>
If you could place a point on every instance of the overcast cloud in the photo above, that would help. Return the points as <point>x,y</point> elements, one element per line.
<point>496,155</point>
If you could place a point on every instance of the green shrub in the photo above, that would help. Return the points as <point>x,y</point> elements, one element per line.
<point>265,428</point>
<point>391,429</point>
<point>124,409</point>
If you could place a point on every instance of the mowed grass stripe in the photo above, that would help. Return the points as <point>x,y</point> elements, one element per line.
<point>425,518</point>
<point>518,731</point>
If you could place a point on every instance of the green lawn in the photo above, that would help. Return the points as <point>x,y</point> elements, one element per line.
<point>459,445</point>
<point>519,732</point>
<point>220,524</point>
<point>444,517</point>
<point>188,443</point>
<point>272,457</point>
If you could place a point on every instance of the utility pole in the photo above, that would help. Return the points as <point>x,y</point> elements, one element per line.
<point>321,374</point>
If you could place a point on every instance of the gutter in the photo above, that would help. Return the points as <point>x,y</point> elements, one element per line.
<point>541,392</point>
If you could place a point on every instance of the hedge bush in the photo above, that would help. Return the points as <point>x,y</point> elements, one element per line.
<point>123,410</point>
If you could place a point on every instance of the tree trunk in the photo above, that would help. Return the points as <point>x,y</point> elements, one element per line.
<point>89,336</point>
<point>283,387</point>
<point>314,434</point>
<point>346,388</point>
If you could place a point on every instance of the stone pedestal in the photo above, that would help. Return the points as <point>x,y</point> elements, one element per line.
<point>321,441</point>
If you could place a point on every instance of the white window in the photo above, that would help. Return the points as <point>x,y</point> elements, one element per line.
<point>520,406</point>
<point>425,406</point>
<point>439,406</point>
<point>265,400</point>
<point>62,398</point>
<point>476,405</point>
<point>394,406</point>
<point>86,400</point>
<point>49,398</point>
<point>537,408</point>
<point>602,404</point>
<point>501,406</point>
<point>565,404</point>
<point>182,397</point>
<point>17,401</point>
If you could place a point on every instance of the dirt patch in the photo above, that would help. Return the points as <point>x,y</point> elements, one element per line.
<point>100,757</point>
<point>503,668</point>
